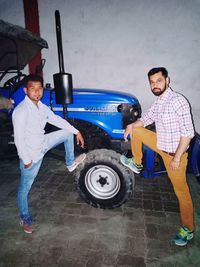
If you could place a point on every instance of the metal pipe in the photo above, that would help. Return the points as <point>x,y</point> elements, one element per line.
<point>59,42</point>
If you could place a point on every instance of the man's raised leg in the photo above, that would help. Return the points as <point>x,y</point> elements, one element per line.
<point>62,136</point>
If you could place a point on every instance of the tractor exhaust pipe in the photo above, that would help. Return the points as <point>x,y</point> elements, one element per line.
<point>59,42</point>
<point>62,81</point>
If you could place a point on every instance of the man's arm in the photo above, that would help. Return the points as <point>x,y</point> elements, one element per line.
<point>130,127</point>
<point>182,109</point>
<point>146,120</point>
<point>63,124</point>
<point>19,125</point>
<point>182,147</point>
<point>60,122</point>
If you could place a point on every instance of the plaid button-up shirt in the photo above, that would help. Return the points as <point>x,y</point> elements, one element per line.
<point>172,116</point>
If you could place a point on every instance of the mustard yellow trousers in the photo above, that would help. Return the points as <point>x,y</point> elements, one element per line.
<point>178,177</point>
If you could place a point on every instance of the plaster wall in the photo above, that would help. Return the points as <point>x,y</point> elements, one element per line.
<point>113,43</point>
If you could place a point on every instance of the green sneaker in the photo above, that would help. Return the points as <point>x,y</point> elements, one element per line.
<point>129,162</point>
<point>183,236</point>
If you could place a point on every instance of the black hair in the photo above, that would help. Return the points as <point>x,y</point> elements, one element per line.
<point>33,78</point>
<point>158,69</point>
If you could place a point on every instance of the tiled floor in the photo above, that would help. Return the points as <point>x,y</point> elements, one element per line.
<point>71,233</point>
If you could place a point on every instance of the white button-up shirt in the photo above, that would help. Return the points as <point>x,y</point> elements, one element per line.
<point>29,122</point>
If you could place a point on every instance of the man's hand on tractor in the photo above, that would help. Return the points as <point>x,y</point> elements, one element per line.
<point>80,140</point>
<point>128,131</point>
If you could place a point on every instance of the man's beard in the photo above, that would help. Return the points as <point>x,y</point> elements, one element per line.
<point>159,92</point>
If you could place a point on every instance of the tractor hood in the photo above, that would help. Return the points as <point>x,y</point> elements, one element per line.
<point>100,96</point>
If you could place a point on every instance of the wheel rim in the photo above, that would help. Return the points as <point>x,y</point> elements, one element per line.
<point>102,182</point>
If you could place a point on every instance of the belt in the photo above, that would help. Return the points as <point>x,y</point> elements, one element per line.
<point>169,153</point>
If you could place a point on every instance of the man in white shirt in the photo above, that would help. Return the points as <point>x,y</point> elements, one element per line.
<point>29,120</point>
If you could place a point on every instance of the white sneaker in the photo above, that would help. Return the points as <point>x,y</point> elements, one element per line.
<point>78,160</point>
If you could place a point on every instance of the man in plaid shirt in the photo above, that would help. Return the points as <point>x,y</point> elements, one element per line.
<point>174,130</point>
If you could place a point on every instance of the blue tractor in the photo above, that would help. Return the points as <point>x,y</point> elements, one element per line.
<point>100,115</point>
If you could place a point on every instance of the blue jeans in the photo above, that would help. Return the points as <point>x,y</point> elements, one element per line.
<point>28,175</point>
